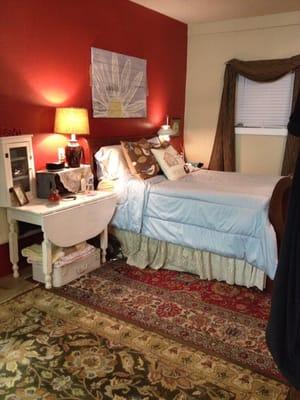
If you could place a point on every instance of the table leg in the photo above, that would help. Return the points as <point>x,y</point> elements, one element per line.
<point>47,262</point>
<point>103,245</point>
<point>13,246</point>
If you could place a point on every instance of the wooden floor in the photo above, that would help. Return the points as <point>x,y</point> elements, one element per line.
<point>11,287</point>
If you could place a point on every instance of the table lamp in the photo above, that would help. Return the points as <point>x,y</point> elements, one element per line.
<point>73,121</point>
<point>165,132</point>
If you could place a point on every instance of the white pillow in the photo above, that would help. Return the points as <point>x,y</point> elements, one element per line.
<point>170,162</point>
<point>154,141</point>
<point>111,163</point>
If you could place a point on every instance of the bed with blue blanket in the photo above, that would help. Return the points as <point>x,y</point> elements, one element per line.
<point>214,224</point>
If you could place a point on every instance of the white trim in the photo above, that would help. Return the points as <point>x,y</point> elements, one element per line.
<point>261,131</point>
<point>15,138</point>
<point>263,22</point>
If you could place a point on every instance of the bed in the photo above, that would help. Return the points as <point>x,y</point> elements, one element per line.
<point>224,226</point>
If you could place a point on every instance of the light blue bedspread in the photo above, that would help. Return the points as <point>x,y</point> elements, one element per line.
<point>224,213</point>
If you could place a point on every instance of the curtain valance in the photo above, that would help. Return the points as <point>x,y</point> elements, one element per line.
<point>223,153</point>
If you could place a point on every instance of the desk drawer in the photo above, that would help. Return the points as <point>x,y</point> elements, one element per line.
<point>68,272</point>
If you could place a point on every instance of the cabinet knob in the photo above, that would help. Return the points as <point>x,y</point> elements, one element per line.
<point>6,155</point>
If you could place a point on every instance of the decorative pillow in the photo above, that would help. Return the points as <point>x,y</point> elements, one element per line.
<point>140,160</point>
<point>155,142</point>
<point>170,162</point>
<point>111,163</point>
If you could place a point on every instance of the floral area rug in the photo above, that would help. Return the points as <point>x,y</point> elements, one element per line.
<point>214,317</point>
<point>54,348</point>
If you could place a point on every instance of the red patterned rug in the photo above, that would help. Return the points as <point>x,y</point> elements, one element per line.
<point>219,319</point>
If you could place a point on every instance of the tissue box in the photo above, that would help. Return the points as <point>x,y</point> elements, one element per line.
<point>68,272</point>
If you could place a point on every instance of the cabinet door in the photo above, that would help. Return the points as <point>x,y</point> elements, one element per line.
<point>19,168</point>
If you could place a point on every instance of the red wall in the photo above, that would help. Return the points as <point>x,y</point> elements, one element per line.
<point>45,58</point>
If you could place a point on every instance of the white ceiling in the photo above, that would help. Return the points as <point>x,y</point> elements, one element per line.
<point>190,11</point>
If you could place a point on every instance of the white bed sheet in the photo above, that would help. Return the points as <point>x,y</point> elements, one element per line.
<point>223,213</point>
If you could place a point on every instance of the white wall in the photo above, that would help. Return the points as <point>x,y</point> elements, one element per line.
<point>210,45</point>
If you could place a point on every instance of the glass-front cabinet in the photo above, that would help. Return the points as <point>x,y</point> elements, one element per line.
<point>20,167</point>
<point>17,167</point>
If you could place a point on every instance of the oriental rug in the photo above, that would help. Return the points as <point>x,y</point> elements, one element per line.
<point>222,320</point>
<point>54,348</point>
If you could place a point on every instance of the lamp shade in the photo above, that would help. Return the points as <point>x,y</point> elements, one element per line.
<point>166,130</point>
<point>70,120</point>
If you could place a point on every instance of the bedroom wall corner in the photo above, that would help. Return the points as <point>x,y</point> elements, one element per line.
<point>210,45</point>
<point>45,57</point>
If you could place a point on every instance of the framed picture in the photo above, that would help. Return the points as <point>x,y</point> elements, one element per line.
<point>175,125</point>
<point>119,85</point>
<point>19,195</point>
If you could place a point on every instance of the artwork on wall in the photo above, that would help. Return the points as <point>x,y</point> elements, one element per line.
<point>119,85</point>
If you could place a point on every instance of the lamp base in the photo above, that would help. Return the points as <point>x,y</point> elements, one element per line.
<point>73,154</point>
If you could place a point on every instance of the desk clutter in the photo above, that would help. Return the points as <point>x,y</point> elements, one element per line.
<point>20,183</point>
<point>69,263</point>
<point>65,181</point>
<point>74,212</point>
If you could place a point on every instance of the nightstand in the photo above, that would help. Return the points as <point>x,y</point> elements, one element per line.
<point>64,224</point>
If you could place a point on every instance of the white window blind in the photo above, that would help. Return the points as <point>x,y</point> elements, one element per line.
<point>264,104</point>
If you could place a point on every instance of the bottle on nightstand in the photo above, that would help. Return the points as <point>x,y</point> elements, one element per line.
<point>90,184</point>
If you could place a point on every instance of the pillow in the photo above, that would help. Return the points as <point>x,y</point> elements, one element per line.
<point>111,163</point>
<point>170,162</point>
<point>155,142</point>
<point>140,160</point>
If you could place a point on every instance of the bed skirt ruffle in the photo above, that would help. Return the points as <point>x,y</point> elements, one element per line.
<point>142,252</point>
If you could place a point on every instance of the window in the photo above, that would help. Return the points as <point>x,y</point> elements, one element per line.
<point>263,108</point>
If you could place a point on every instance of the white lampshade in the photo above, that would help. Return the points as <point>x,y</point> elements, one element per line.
<point>71,120</point>
<point>165,131</point>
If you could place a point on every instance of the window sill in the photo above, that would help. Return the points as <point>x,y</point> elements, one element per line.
<point>261,131</point>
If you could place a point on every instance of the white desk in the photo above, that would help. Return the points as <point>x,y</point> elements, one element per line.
<point>64,224</point>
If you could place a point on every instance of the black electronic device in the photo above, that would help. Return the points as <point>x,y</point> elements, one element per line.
<point>55,166</point>
<point>47,181</point>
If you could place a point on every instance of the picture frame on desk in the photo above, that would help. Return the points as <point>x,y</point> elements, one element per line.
<point>19,195</point>
<point>176,125</point>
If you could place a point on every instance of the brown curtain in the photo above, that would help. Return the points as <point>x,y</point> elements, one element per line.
<point>223,153</point>
<point>292,147</point>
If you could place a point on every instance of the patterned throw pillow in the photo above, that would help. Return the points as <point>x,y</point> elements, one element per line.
<point>140,160</point>
<point>170,162</point>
